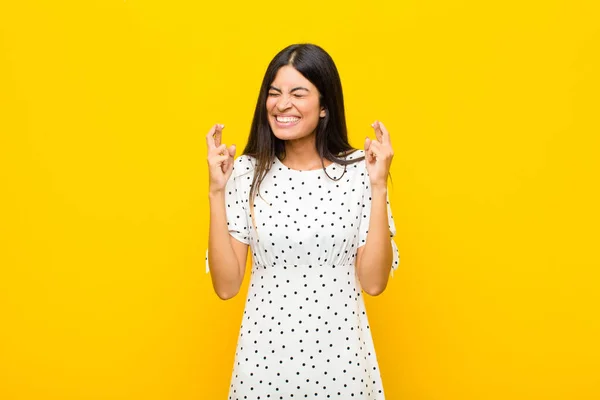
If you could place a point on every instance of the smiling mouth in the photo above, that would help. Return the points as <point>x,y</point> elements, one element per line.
<point>286,120</point>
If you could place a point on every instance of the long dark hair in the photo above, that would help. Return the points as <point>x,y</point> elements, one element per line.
<point>331,138</point>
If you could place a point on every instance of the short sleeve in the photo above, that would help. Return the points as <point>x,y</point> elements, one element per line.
<point>236,199</point>
<point>363,228</point>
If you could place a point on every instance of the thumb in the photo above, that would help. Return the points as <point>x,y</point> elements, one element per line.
<point>231,150</point>
<point>367,144</point>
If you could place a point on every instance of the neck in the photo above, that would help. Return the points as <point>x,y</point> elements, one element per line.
<point>302,154</point>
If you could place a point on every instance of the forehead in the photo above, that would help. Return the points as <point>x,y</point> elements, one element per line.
<point>288,77</point>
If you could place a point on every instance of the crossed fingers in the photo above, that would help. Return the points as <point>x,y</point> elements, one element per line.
<point>213,137</point>
<point>382,147</point>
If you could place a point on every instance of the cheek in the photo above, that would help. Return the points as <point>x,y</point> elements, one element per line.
<point>311,110</point>
<point>313,105</point>
<point>269,104</point>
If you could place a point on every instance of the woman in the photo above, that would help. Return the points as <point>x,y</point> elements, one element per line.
<point>315,213</point>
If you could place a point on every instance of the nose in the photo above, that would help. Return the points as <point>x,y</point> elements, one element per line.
<point>283,103</point>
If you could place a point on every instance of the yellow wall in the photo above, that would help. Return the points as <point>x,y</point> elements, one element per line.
<point>493,110</point>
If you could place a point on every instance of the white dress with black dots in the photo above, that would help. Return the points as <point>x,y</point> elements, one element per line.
<point>304,332</point>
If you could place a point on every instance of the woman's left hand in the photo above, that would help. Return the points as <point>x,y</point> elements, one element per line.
<point>378,155</point>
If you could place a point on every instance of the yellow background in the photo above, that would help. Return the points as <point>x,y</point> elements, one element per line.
<point>494,113</point>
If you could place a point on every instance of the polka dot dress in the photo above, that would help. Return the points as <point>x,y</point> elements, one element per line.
<point>304,332</point>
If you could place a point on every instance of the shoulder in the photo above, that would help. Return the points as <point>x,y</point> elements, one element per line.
<point>356,159</point>
<point>243,165</point>
<point>354,154</point>
<point>358,168</point>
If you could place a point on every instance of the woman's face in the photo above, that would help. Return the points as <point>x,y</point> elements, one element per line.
<point>293,105</point>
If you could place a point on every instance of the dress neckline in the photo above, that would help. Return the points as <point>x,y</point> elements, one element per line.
<point>329,168</point>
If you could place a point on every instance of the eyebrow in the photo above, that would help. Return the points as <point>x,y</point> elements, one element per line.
<point>293,90</point>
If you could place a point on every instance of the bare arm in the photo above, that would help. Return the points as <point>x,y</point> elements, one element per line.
<point>226,255</point>
<point>374,274</point>
<point>374,259</point>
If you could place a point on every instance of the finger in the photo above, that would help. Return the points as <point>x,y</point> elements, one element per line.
<point>210,141</point>
<point>377,130</point>
<point>218,134</point>
<point>220,150</point>
<point>232,151</point>
<point>219,160</point>
<point>375,148</point>
<point>386,135</point>
<point>228,163</point>
<point>371,147</point>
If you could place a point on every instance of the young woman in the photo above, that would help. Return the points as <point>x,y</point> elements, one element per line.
<point>315,214</point>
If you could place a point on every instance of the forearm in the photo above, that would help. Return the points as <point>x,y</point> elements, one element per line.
<point>376,258</point>
<point>224,266</point>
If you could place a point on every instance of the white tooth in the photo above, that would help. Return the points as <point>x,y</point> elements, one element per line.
<point>287,119</point>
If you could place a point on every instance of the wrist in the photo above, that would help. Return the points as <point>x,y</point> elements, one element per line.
<point>378,189</point>
<point>216,193</point>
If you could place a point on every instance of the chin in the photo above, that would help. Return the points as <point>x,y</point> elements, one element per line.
<point>285,134</point>
<point>292,133</point>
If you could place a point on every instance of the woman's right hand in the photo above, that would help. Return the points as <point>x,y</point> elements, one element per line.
<point>220,159</point>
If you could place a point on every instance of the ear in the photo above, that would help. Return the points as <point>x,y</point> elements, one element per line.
<point>323,112</point>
